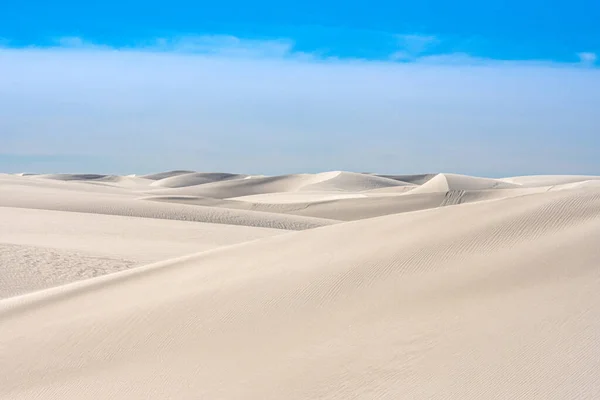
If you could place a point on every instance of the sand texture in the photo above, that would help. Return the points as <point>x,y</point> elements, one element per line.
<point>337,285</point>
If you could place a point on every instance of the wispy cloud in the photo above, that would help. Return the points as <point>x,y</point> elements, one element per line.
<point>226,45</point>
<point>215,45</point>
<point>587,58</point>
<point>76,42</point>
<point>416,44</point>
<point>412,46</point>
<point>72,41</point>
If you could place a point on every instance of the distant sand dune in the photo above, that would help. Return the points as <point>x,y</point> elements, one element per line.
<point>549,180</point>
<point>194,178</point>
<point>73,177</point>
<point>335,181</point>
<point>119,205</point>
<point>352,182</point>
<point>164,175</point>
<point>448,182</point>
<point>392,190</point>
<point>328,206</point>
<point>592,183</point>
<point>303,197</point>
<point>241,187</point>
<point>416,179</point>
<point>31,183</point>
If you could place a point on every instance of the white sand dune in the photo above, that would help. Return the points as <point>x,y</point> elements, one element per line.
<point>18,184</point>
<point>73,177</point>
<point>592,183</point>
<point>41,248</point>
<point>351,182</point>
<point>335,181</point>
<point>83,202</point>
<point>486,300</point>
<point>297,197</point>
<point>341,207</point>
<point>548,180</point>
<point>241,187</point>
<point>458,288</point>
<point>194,178</point>
<point>416,179</point>
<point>449,182</point>
<point>166,174</point>
<point>392,190</point>
<point>109,180</point>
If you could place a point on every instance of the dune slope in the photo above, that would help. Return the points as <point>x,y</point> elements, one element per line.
<point>42,248</point>
<point>112,204</point>
<point>487,300</point>
<point>194,178</point>
<point>455,182</point>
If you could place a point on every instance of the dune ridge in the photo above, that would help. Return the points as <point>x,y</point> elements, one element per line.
<point>128,206</point>
<point>334,181</point>
<point>194,178</point>
<point>454,182</point>
<point>444,286</point>
<point>44,248</point>
<point>247,321</point>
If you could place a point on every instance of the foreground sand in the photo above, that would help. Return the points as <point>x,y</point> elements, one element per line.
<point>329,286</point>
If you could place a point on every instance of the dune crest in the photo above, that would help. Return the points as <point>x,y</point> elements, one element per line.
<point>451,182</point>
<point>448,286</point>
<point>194,178</point>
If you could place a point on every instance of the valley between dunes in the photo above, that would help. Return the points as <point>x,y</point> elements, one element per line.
<point>336,285</point>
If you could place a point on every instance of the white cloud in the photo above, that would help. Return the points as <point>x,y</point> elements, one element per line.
<point>76,42</point>
<point>412,45</point>
<point>587,58</point>
<point>401,56</point>
<point>216,45</point>
<point>454,59</point>
<point>416,44</point>
<point>267,111</point>
<point>71,41</point>
<point>227,46</point>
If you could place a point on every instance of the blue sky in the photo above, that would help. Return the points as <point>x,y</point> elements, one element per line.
<point>509,29</point>
<point>488,88</point>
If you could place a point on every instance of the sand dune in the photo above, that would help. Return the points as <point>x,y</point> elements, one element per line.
<point>194,178</point>
<point>450,182</point>
<point>390,190</point>
<point>166,174</point>
<point>73,177</point>
<point>592,183</point>
<point>342,207</point>
<point>455,287</point>
<point>41,248</point>
<point>109,180</point>
<point>83,202</point>
<point>303,197</point>
<point>549,180</point>
<point>18,184</point>
<point>485,300</point>
<point>335,181</point>
<point>351,182</point>
<point>416,179</point>
<point>241,187</point>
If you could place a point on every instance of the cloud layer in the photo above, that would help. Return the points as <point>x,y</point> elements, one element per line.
<point>222,103</point>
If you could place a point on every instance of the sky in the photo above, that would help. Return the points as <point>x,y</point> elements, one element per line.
<point>497,88</point>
